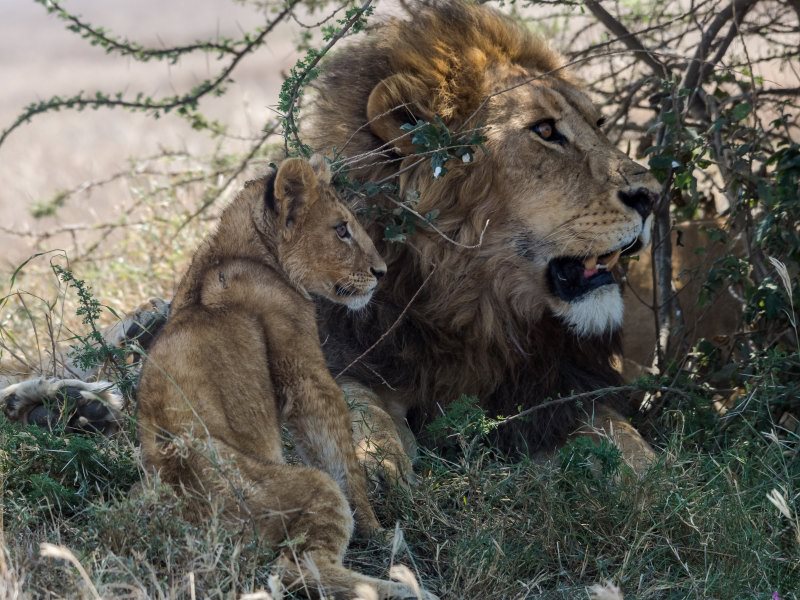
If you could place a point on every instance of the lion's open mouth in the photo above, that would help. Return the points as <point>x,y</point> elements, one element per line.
<point>570,277</point>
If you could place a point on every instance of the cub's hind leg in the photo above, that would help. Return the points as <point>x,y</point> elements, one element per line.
<point>312,404</point>
<point>284,502</point>
<point>320,515</point>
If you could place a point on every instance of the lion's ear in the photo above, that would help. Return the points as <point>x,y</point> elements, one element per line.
<point>295,189</point>
<point>397,100</point>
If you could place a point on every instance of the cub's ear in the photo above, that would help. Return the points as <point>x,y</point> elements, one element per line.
<point>295,189</point>
<point>321,168</point>
<point>394,101</point>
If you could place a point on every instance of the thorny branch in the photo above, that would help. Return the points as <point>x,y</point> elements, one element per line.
<point>185,103</point>
<point>293,87</point>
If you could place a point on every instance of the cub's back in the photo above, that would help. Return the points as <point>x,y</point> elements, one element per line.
<point>208,372</point>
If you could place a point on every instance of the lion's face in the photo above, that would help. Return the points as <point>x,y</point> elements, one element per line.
<point>563,203</point>
<point>324,249</point>
<point>573,201</point>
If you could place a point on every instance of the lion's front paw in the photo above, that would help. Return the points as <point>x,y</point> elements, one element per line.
<point>68,404</point>
<point>386,462</point>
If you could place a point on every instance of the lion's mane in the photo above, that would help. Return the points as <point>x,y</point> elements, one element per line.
<point>473,327</point>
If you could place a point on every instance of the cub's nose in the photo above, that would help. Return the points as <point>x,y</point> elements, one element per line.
<point>641,200</point>
<point>379,272</point>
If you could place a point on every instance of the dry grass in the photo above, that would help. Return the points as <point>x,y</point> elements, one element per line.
<point>699,525</point>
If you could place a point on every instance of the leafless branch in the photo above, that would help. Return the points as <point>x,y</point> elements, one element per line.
<point>391,327</point>
<point>626,37</point>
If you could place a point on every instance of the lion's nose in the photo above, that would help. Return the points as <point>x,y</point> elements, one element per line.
<point>378,273</point>
<point>641,200</point>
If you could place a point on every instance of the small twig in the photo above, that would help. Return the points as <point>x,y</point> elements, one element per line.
<point>391,327</point>
<point>130,48</point>
<point>439,231</point>
<point>698,67</point>
<point>626,37</point>
<point>585,395</point>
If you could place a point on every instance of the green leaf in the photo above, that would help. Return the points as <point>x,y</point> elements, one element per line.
<point>740,111</point>
<point>662,162</point>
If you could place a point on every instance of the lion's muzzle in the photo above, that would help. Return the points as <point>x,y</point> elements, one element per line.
<point>642,200</point>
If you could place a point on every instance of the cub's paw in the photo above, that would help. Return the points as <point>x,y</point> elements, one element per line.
<point>69,405</point>
<point>406,585</point>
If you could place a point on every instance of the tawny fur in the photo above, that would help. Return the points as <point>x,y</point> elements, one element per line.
<point>70,403</point>
<point>240,355</point>
<point>486,322</point>
<point>76,404</point>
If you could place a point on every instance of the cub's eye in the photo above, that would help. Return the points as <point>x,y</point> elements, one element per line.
<point>600,122</point>
<point>547,131</point>
<point>342,231</point>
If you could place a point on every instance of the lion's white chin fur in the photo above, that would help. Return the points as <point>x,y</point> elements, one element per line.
<point>595,313</point>
<point>647,231</point>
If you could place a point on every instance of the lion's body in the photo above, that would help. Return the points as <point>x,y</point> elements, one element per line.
<point>240,355</point>
<point>694,255</point>
<point>489,321</point>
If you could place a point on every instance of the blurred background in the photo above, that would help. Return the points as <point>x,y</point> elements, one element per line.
<point>127,196</point>
<point>40,58</point>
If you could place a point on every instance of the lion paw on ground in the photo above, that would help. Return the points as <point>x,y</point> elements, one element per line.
<point>67,405</point>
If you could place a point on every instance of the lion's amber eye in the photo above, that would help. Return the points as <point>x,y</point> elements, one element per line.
<point>547,131</point>
<point>342,231</point>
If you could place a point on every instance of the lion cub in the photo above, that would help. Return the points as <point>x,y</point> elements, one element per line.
<point>240,354</point>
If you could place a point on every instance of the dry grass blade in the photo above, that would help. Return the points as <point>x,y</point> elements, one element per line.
<point>54,551</point>
<point>778,500</point>
<point>783,273</point>
<point>275,586</point>
<point>260,595</point>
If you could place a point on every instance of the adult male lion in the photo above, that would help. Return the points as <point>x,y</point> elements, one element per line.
<point>533,311</point>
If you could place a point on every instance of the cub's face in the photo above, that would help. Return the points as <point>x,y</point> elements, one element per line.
<point>324,249</point>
